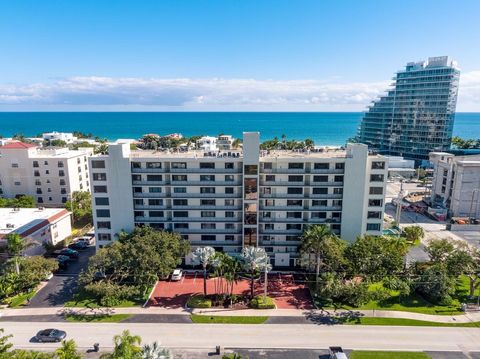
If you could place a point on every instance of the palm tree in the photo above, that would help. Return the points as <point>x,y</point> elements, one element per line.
<point>155,351</point>
<point>314,240</point>
<point>254,260</point>
<point>125,346</point>
<point>15,246</point>
<point>68,350</point>
<point>233,268</point>
<point>205,257</point>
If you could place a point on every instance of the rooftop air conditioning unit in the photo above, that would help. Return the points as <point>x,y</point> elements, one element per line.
<point>10,225</point>
<point>41,208</point>
<point>16,209</point>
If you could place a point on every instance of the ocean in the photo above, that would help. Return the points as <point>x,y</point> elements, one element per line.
<point>325,128</point>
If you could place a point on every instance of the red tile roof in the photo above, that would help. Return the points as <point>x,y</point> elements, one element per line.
<point>17,145</point>
<point>44,223</point>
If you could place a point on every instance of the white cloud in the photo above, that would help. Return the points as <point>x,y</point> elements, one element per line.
<point>210,94</point>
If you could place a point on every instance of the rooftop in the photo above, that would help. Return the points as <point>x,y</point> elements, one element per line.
<point>26,221</point>
<point>16,145</point>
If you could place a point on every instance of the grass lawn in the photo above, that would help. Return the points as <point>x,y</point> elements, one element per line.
<point>218,319</point>
<point>357,354</point>
<point>112,318</point>
<point>82,300</point>
<point>20,300</point>
<point>417,304</point>
<point>407,322</point>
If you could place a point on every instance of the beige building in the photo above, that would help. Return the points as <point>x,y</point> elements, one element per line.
<point>50,175</point>
<point>230,199</point>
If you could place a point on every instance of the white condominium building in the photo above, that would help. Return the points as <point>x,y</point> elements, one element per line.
<point>50,175</point>
<point>231,199</point>
<point>456,183</point>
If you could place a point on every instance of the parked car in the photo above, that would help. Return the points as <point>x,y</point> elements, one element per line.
<point>79,246</point>
<point>50,335</point>
<point>71,253</point>
<point>87,239</point>
<point>337,353</point>
<point>176,275</point>
<point>63,262</point>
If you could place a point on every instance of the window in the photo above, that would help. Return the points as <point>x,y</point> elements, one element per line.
<point>269,227</point>
<point>155,202</point>
<point>138,202</point>
<point>292,238</point>
<point>136,177</point>
<point>104,237</point>
<point>154,164</point>
<point>320,190</point>
<point>373,226</point>
<point>207,189</point>
<point>269,202</point>
<point>180,189</point>
<point>337,203</point>
<point>155,189</point>
<point>229,165</point>
<point>229,202</point>
<point>134,165</point>
<point>101,201</point>
<point>36,173</point>
<point>294,202</point>
<point>180,202</point>
<point>47,172</point>
<point>339,166</point>
<point>372,214</point>
<point>338,179</point>
<point>209,178</point>
<point>179,177</point>
<point>250,169</point>
<point>207,202</point>
<point>63,191</point>
<point>295,166</point>
<point>229,190</point>
<point>205,165</point>
<point>179,165</point>
<point>320,203</point>
<point>295,226</point>
<point>100,164</point>
<point>39,191</point>
<point>208,214</point>
<point>229,178</point>
<point>229,237</point>
<point>39,199</point>
<point>320,178</point>
<point>99,176</point>
<point>180,226</point>
<point>38,183</point>
<point>103,213</point>
<point>338,191</point>
<point>61,173</point>
<point>229,214</point>
<point>208,225</point>
<point>295,178</point>
<point>99,189</point>
<point>64,199</point>
<point>378,165</point>
<point>376,178</point>
<point>270,178</point>
<point>229,226</point>
<point>376,190</point>
<point>49,190</point>
<point>154,178</point>
<point>294,190</point>
<point>45,163</point>
<point>375,202</point>
<point>35,163</point>
<point>137,190</point>
<point>319,214</point>
<point>103,225</point>
<point>180,214</point>
<point>267,166</point>
<point>294,214</point>
<point>155,213</point>
<point>60,164</point>
<point>321,166</point>
<point>62,182</point>
<point>208,237</point>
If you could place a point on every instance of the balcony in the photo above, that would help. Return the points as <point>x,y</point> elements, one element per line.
<point>205,170</point>
<point>149,195</point>
<point>207,219</point>
<point>150,183</point>
<point>206,195</point>
<point>209,207</point>
<point>206,183</point>
<point>148,170</point>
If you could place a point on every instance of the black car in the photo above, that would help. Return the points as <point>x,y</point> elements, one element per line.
<point>68,252</point>
<point>63,262</point>
<point>50,335</point>
<point>79,246</point>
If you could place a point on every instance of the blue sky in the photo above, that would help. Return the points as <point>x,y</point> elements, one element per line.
<point>225,55</point>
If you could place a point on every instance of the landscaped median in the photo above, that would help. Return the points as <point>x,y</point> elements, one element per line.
<point>405,322</point>
<point>220,319</point>
<point>96,318</point>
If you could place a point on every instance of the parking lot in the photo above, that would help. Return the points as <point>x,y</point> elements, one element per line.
<point>288,291</point>
<point>61,287</point>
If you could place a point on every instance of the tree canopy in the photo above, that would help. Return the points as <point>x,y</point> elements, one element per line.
<point>81,206</point>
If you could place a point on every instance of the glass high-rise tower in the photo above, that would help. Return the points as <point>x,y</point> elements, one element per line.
<point>416,115</point>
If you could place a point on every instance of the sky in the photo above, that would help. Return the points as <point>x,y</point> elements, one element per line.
<point>225,55</point>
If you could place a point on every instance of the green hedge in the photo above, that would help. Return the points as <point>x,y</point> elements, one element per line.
<point>258,303</point>
<point>199,301</point>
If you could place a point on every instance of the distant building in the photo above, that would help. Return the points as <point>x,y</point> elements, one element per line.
<point>49,175</point>
<point>456,184</point>
<point>40,225</point>
<point>207,144</point>
<point>417,114</point>
<point>61,136</point>
<point>224,142</point>
<point>236,198</point>
<point>400,167</point>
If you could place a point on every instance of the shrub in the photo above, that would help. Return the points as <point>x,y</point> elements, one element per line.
<point>435,285</point>
<point>259,303</point>
<point>110,294</point>
<point>199,301</point>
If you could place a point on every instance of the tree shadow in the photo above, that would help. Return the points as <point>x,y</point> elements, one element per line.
<point>326,318</point>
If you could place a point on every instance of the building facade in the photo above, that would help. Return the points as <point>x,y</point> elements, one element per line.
<point>416,115</point>
<point>50,175</point>
<point>237,198</point>
<point>456,184</point>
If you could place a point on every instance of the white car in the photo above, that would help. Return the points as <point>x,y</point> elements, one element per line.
<point>89,240</point>
<point>176,275</point>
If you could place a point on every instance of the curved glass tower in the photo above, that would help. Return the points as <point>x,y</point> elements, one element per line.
<point>416,116</point>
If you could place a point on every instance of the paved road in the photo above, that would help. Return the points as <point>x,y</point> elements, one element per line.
<point>61,287</point>
<point>297,336</point>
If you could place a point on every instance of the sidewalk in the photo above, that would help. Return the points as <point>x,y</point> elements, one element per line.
<point>462,318</point>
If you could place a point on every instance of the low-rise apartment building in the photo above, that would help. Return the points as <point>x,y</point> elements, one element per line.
<point>235,198</point>
<point>456,184</point>
<point>49,174</point>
